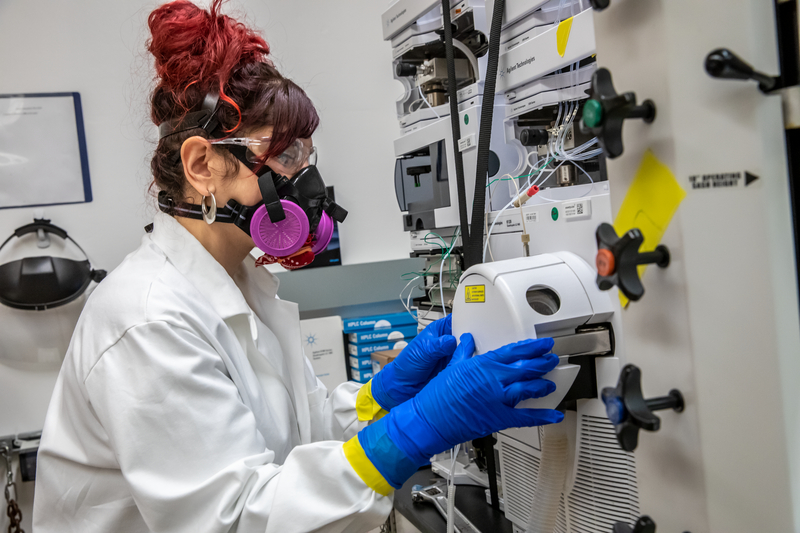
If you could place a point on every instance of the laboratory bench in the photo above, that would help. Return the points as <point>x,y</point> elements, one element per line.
<point>470,500</point>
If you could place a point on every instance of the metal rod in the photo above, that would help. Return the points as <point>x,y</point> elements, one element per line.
<point>647,258</point>
<point>672,401</point>
<point>765,83</point>
<point>646,111</point>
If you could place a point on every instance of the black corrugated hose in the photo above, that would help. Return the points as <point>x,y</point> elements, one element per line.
<point>474,250</point>
<point>472,239</point>
<point>452,95</point>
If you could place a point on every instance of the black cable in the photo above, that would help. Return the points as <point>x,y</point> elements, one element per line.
<point>452,95</point>
<point>474,252</point>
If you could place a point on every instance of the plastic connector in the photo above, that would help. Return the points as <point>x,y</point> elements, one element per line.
<point>526,195</point>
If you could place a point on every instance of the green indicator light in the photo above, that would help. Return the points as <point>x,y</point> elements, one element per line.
<point>466,119</point>
<point>592,113</point>
<point>554,213</point>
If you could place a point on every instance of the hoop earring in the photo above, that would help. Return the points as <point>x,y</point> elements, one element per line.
<point>209,213</point>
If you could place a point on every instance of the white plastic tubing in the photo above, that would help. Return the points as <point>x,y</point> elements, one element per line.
<point>470,57</point>
<point>550,481</point>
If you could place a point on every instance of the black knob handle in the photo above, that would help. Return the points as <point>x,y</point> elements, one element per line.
<point>533,137</point>
<point>629,411</point>
<point>617,259</point>
<point>605,111</point>
<point>405,69</point>
<point>645,524</point>
<point>722,63</point>
<point>600,5</point>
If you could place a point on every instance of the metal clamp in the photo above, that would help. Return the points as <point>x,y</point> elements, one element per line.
<point>8,453</point>
<point>438,497</point>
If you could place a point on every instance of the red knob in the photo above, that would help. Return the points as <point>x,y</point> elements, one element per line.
<point>605,262</point>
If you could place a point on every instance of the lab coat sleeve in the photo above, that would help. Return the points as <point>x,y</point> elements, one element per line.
<point>189,449</point>
<point>333,415</point>
<point>342,413</point>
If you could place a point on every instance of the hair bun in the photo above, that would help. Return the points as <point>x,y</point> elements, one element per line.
<point>195,46</point>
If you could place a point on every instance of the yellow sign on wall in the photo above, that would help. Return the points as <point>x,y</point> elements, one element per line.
<point>650,204</point>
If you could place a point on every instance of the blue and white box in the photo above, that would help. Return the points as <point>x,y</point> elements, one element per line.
<point>322,344</point>
<point>360,363</point>
<point>379,321</point>
<point>360,350</point>
<point>384,334</point>
<point>362,376</point>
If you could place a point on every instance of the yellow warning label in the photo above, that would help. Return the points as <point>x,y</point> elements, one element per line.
<point>475,294</point>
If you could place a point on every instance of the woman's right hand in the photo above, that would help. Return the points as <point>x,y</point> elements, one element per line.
<point>473,397</point>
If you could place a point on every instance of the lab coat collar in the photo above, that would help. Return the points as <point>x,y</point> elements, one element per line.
<point>255,281</point>
<point>192,260</point>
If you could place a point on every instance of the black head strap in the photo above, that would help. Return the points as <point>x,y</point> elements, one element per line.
<point>167,205</point>
<point>205,119</point>
<point>233,212</point>
<point>45,225</point>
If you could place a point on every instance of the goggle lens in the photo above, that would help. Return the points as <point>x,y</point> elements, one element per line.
<point>293,158</point>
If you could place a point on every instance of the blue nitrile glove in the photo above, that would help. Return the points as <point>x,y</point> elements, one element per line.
<point>424,357</point>
<point>471,398</point>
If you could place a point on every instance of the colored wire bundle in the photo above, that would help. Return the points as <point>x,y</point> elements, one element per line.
<point>445,251</point>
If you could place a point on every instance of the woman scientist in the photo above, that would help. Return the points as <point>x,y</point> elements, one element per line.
<point>185,403</point>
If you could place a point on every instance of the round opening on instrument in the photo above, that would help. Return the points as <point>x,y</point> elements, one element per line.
<point>543,300</point>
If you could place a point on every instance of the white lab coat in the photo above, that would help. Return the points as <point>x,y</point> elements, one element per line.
<point>185,404</point>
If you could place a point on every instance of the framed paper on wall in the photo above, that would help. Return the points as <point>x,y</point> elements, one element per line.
<point>43,158</point>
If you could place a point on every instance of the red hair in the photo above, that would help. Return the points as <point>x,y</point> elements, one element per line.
<point>192,46</point>
<point>199,51</point>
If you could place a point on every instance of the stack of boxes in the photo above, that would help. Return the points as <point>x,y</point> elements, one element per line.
<point>382,358</point>
<point>366,335</point>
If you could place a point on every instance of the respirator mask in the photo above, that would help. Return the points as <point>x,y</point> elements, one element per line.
<point>43,282</point>
<point>295,219</point>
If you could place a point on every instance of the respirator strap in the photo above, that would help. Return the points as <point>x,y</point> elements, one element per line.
<point>205,119</point>
<point>271,198</point>
<point>266,183</point>
<point>233,213</point>
<point>334,210</point>
<point>167,205</point>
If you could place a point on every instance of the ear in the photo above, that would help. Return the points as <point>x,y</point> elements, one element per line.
<point>196,153</point>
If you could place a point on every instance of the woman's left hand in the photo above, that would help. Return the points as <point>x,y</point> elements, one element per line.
<point>419,362</point>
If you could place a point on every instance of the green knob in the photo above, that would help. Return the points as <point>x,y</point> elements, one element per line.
<point>592,113</point>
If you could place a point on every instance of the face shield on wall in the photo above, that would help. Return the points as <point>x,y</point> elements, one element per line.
<point>45,278</point>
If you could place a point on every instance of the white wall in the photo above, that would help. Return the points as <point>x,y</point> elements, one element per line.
<point>96,47</point>
<point>334,50</point>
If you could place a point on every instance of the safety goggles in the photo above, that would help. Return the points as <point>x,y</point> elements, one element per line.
<point>296,156</point>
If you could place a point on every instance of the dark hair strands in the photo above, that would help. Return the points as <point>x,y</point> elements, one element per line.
<point>198,51</point>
